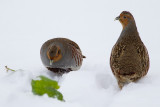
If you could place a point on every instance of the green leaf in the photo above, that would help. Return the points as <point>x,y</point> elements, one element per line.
<point>46,86</point>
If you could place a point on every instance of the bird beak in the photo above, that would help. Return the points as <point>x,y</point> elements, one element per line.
<point>117,18</point>
<point>51,62</point>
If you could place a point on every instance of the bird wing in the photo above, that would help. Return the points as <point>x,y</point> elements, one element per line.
<point>117,51</point>
<point>73,44</point>
<point>143,54</point>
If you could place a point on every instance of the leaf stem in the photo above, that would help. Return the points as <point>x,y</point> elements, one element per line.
<point>8,69</point>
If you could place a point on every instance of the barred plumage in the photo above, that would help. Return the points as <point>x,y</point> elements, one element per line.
<point>77,56</point>
<point>61,55</point>
<point>129,59</point>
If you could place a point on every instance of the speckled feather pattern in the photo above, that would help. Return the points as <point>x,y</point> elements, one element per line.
<point>129,58</point>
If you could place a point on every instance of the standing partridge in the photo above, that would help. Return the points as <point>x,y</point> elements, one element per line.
<point>61,55</point>
<point>129,59</point>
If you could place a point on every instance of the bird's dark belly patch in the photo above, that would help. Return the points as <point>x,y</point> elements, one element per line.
<point>59,70</point>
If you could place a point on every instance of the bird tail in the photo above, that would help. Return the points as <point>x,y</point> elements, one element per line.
<point>84,56</point>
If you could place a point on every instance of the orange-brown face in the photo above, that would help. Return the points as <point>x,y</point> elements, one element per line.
<point>124,18</point>
<point>54,54</point>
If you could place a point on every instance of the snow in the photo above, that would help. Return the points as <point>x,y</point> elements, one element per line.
<point>26,24</point>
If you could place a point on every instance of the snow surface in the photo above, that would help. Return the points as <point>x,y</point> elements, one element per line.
<point>26,24</point>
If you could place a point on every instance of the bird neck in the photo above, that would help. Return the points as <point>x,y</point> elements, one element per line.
<point>129,32</point>
<point>130,28</point>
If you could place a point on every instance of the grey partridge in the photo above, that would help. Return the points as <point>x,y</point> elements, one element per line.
<point>129,59</point>
<point>61,55</point>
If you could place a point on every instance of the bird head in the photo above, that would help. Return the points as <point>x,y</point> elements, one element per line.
<point>54,54</point>
<point>125,18</point>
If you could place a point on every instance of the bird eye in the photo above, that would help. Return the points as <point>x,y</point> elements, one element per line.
<point>124,17</point>
<point>59,51</point>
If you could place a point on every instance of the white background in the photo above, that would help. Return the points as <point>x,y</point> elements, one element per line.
<point>26,24</point>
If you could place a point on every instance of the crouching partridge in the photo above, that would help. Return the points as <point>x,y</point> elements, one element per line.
<point>129,59</point>
<point>61,55</point>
